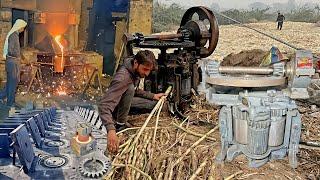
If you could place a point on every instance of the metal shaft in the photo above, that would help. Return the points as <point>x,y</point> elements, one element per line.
<point>163,36</point>
<point>246,70</point>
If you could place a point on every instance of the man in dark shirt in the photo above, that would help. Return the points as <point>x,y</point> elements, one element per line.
<point>280,20</point>
<point>11,52</point>
<point>115,104</point>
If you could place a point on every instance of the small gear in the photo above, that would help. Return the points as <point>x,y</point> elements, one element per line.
<point>94,168</point>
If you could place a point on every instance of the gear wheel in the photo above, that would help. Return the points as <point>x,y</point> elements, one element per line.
<point>94,168</point>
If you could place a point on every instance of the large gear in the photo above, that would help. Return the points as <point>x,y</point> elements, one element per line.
<point>94,168</point>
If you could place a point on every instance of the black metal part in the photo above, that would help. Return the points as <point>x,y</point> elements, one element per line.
<point>4,144</point>
<point>23,147</point>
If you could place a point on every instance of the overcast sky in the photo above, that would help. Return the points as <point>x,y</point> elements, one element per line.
<point>231,3</point>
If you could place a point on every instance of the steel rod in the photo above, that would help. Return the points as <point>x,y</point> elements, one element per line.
<point>245,70</point>
<point>163,36</point>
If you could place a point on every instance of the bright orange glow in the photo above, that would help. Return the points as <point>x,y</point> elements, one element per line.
<point>58,40</point>
<point>57,23</point>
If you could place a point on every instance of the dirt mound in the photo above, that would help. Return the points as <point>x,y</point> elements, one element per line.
<point>245,58</point>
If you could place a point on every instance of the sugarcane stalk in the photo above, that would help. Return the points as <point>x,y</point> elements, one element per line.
<point>119,155</point>
<point>212,172</point>
<point>157,121</point>
<point>142,153</point>
<point>136,128</point>
<point>150,155</point>
<point>169,164</point>
<point>162,169</point>
<point>192,146</point>
<point>130,157</point>
<point>126,143</point>
<point>134,159</point>
<point>193,133</point>
<point>194,161</point>
<point>203,164</point>
<point>233,175</point>
<point>135,168</point>
<point>151,114</point>
<point>180,166</point>
<point>186,119</point>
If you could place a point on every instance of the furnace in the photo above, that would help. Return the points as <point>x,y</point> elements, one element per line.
<point>52,55</point>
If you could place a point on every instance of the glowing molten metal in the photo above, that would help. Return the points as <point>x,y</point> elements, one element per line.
<point>59,63</point>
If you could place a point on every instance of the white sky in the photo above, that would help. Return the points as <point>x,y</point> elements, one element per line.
<point>231,3</point>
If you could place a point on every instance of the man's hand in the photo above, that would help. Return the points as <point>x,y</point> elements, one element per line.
<point>158,96</point>
<point>113,141</point>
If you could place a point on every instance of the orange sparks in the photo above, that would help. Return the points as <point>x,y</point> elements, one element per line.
<point>62,93</point>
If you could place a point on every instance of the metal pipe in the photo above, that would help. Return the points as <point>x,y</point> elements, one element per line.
<point>245,70</point>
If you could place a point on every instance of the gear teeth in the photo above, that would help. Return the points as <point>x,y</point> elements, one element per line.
<point>105,167</point>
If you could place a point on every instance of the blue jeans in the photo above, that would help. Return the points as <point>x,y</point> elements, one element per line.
<point>13,78</point>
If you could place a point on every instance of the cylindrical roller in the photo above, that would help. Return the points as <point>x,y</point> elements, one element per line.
<point>240,125</point>
<point>258,137</point>
<point>245,70</point>
<point>277,131</point>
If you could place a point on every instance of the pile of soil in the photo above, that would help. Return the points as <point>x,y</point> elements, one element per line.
<point>244,58</point>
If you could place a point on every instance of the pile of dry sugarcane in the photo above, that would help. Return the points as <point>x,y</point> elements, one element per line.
<point>171,151</point>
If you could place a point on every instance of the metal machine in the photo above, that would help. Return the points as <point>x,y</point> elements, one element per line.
<point>261,120</point>
<point>196,38</point>
<point>259,117</point>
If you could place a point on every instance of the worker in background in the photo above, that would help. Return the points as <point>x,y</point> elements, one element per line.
<point>11,52</point>
<point>280,20</point>
<point>115,104</point>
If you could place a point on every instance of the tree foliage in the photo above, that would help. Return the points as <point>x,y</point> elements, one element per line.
<point>165,18</point>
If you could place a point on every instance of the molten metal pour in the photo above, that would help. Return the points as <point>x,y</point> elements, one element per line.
<point>59,62</point>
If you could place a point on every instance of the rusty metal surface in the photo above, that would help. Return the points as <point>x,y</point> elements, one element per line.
<point>204,13</point>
